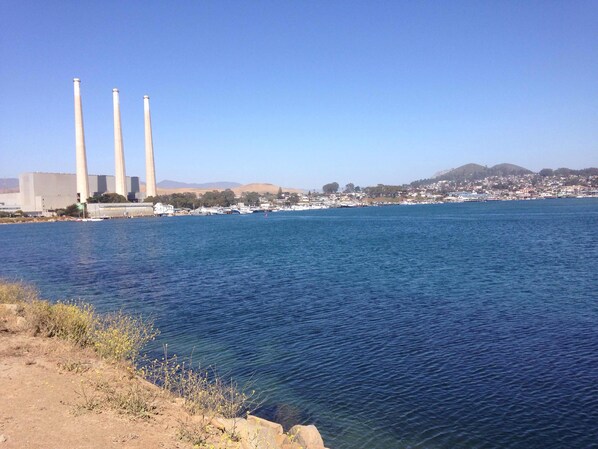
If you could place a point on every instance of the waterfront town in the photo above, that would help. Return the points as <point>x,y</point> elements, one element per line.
<point>529,186</point>
<point>465,186</point>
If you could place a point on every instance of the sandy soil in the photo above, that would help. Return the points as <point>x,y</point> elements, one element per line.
<point>54,396</point>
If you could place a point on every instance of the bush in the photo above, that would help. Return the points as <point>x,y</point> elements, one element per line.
<point>118,336</point>
<point>115,336</point>
<point>16,293</point>
<point>69,321</point>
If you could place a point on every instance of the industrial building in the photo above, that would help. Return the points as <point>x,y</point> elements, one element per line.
<point>46,192</point>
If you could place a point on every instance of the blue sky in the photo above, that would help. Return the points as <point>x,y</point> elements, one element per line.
<point>300,93</point>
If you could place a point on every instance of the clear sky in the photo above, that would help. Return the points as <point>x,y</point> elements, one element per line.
<point>301,93</point>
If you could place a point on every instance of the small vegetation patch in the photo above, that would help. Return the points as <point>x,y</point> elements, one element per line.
<point>193,433</point>
<point>134,401</point>
<point>88,402</point>
<point>74,366</point>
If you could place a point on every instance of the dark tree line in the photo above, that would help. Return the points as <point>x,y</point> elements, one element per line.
<point>385,191</point>
<point>190,200</point>
<point>107,198</point>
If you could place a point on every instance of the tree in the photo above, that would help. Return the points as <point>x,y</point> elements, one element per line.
<point>72,211</point>
<point>330,188</point>
<point>228,198</point>
<point>107,198</point>
<point>293,199</point>
<point>349,188</point>
<point>251,198</point>
<point>186,200</point>
<point>216,198</point>
<point>546,172</point>
<point>279,195</point>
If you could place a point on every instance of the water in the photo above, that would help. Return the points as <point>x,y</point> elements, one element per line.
<point>465,325</point>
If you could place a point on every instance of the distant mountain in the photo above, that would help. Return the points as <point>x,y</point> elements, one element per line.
<point>9,185</point>
<point>473,172</point>
<point>167,184</point>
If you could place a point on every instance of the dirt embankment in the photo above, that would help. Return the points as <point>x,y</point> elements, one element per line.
<point>55,394</point>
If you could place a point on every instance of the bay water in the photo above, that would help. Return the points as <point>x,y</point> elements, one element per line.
<point>436,326</point>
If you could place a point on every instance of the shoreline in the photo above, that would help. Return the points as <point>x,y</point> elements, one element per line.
<point>29,220</point>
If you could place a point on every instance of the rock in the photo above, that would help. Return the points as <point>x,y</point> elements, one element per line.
<point>3,438</point>
<point>288,444</point>
<point>257,433</point>
<point>265,423</point>
<point>224,424</point>
<point>11,309</point>
<point>307,437</point>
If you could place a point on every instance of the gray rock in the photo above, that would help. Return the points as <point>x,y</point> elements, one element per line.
<point>256,433</point>
<point>307,437</point>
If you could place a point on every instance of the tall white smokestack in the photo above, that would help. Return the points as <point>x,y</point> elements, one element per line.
<point>150,167</point>
<point>81,157</point>
<point>119,154</point>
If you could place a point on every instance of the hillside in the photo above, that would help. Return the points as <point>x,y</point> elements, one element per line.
<point>254,187</point>
<point>168,184</point>
<point>8,185</point>
<point>472,172</point>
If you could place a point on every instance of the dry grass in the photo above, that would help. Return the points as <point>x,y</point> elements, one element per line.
<point>134,401</point>
<point>193,433</point>
<point>116,336</point>
<point>74,366</point>
<point>88,402</point>
<point>205,392</point>
<point>16,293</point>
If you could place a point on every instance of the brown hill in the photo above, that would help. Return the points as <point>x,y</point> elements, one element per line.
<point>253,187</point>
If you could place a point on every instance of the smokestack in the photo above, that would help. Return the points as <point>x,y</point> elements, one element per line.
<point>119,154</point>
<point>150,167</point>
<point>81,157</point>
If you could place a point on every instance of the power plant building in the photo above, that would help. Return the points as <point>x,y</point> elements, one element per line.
<point>42,193</point>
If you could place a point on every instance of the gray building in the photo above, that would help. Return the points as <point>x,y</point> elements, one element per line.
<point>41,193</point>
<point>10,202</point>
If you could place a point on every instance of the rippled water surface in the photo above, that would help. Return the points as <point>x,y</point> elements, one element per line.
<point>465,325</point>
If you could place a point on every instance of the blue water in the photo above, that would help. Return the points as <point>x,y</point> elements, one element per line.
<point>462,325</point>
